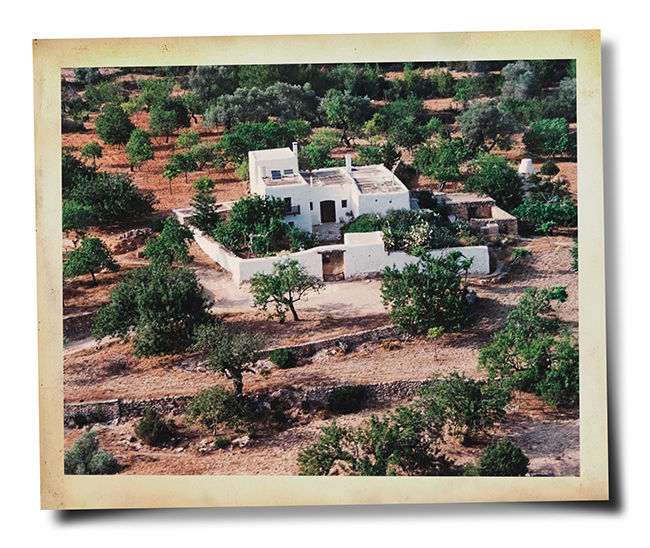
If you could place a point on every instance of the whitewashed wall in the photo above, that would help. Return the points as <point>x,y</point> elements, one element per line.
<point>364,254</point>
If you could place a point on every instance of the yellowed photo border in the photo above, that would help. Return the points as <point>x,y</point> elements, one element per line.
<point>68,492</point>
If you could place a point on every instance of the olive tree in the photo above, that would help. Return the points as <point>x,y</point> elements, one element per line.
<point>286,285</point>
<point>484,125</point>
<point>228,352</point>
<point>92,150</point>
<point>172,245</point>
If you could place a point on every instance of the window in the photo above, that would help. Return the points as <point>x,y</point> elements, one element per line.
<point>344,203</point>
<point>311,206</point>
<point>288,201</point>
<point>288,171</point>
<point>276,174</point>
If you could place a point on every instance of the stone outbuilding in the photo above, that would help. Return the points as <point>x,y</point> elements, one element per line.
<point>480,211</point>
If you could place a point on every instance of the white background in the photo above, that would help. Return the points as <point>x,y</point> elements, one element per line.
<point>625,86</point>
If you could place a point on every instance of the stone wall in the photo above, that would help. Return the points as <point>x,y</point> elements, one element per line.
<point>309,399</point>
<point>307,349</point>
<point>77,326</point>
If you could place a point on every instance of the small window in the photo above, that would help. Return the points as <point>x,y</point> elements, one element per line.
<point>344,203</point>
<point>390,201</point>
<point>276,174</point>
<point>288,201</point>
<point>311,206</point>
<point>288,171</point>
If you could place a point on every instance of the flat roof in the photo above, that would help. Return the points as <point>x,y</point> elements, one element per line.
<point>376,179</point>
<point>284,153</point>
<point>465,198</point>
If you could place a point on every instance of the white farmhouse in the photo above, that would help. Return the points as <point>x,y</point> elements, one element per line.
<point>328,195</point>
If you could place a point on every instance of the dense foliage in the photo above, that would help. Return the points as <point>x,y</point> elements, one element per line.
<point>428,293</point>
<point>86,458</point>
<point>492,176</point>
<point>216,406</point>
<point>152,429</point>
<point>534,352</point>
<point>502,459</point>
<point>484,125</point>
<point>172,245</point>
<point>399,443</point>
<point>465,407</point>
<point>163,305</point>
<point>549,138</point>
<point>113,125</point>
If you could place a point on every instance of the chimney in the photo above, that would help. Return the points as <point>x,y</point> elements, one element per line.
<point>348,163</point>
<point>295,148</point>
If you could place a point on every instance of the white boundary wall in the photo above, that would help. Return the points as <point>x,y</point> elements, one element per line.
<point>364,255</point>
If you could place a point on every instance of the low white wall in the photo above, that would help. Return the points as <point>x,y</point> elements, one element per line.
<point>364,254</point>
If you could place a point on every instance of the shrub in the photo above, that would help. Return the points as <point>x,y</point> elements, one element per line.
<point>86,458</point>
<point>538,212</point>
<point>467,407</point>
<point>90,257</point>
<point>217,406</point>
<point>427,294</point>
<point>283,358</point>
<point>548,137</point>
<point>162,304</point>
<point>152,429</point>
<point>347,399</point>
<point>533,351</point>
<point>299,239</point>
<point>76,216</point>
<point>502,459</point>
<point>172,245</point>
<point>399,443</point>
<point>112,196</point>
<point>549,168</point>
<point>221,443</point>
<point>367,222</point>
<point>96,414</point>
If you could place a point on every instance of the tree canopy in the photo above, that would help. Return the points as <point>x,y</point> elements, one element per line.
<point>89,258</point>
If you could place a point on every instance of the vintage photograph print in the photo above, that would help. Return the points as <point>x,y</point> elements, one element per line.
<point>363,267</point>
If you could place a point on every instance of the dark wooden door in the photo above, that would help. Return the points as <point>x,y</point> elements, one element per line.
<point>327,211</point>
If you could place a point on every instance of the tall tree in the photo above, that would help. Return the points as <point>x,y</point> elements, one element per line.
<point>345,111</point>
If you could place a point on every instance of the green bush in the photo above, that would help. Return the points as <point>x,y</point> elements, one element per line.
<point>534,352</point>
<point>347,399</point>
<point>86,458</point>
<point>440,299</point>
<point>367,222</point>
<point>152,429</point>
<point>163,304</point>
<point>549,138</point>
<point>501,459</point>
<point>283,358</point>
<point>559,211</point>
<point>465,406</point>
<point>399,443</point>
<point>221,443</point>
<point>216,406</point>
<point>549,168</point>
